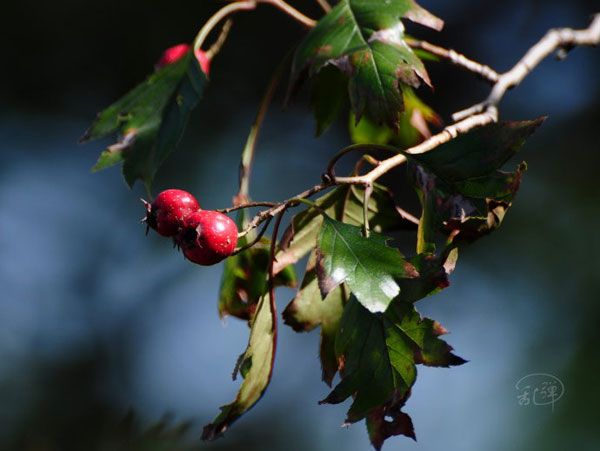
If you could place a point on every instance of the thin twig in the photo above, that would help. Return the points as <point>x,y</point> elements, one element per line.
<point>292,12</point>
<point>250,148</point>
<point>255,240</point>
<point>456,59</point>
<point>291,202</point>
<point>558,38</point>
<point>324,4</point>
<point>217,17</point>
<point>247,205</point>
<point>352,148</point>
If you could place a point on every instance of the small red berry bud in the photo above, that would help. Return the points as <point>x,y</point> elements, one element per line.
<point>167,213</point>
<point>175,53</point>
<point>207,237</point>
<point>203,60</point>
<point>172,54</point>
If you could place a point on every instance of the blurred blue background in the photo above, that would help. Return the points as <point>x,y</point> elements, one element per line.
<point>97,319</point>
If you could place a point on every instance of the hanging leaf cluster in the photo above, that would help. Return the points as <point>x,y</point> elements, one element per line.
<point>357,288</point>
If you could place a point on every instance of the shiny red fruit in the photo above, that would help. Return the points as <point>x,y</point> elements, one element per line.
<point>207,237</point>
<point>175,53</point>
<point>167,213</point>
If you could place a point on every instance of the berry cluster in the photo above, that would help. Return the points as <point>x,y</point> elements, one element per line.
<point>206,237</point>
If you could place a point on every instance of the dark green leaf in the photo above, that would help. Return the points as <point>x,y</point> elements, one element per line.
<point>151,119</point>
<point>367,265</point>
<point>380,428</point>
<point>366,41</point>
<point>413,124</point>
<point>345,204</point>
<point>308,310</point>
<point>460,184</point>
<point>256,368</point>
<point>327,96</point>
<point>378,354</point>
<point>433,275</point>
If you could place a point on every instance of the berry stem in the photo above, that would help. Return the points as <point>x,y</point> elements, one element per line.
<point>247,5</point>
<point>243,194</point>
<point>292,12</point>
<point>218,44</point>
<point>217,17</point>
<point>255,240</point>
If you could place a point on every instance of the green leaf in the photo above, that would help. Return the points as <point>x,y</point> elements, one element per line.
<point>308,310</point>
<point>460,184</point>
<point>151,119</point>
<point>256,367</point>
<point>366,41</point>
<point>244,277</point>
<point>367,265</point>
<point>366,131</point>
<point>345,204</point>
<point>413,124</point>
<point>379,353</point>
<point>327,96</point>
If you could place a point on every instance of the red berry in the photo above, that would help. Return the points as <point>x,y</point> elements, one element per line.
<point>167,213</point>
<point>208,237</point>
<point>175,53</point>
<point>172,54</point>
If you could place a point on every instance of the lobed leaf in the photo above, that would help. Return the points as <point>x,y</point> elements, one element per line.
<point>460,184</point>
<point>378,354</point>
<point>365,40</point>
<point>367,265</point>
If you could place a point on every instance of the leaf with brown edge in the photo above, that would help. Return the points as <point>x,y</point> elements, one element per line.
<point>380,428</point>
<point>256,368</point>
<point>433,275</point>
<point>462,189</point>
<point>379,354</point>
<point>308,310</point>
<point>365,40</point>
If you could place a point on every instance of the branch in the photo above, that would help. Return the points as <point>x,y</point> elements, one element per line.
<point>480,115</point>
<point>456,59</point>
<point>558,38</point>
<point>446,135</point>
